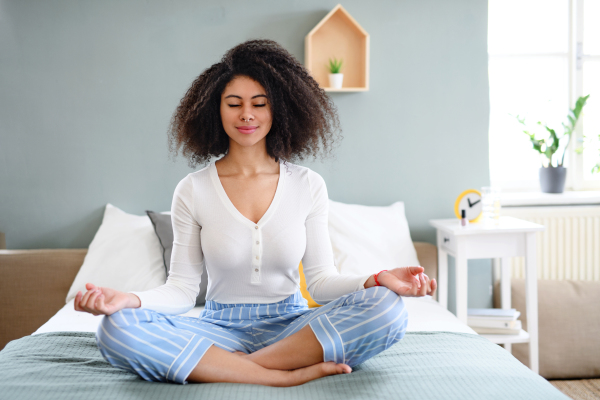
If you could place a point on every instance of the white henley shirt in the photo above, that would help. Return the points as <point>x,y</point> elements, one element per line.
<point>249,262</point>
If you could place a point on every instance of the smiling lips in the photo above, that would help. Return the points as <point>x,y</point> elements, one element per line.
<point>246,129</point>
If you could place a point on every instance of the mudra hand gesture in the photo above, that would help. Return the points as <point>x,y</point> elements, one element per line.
<point>408,281</point>
<point>102,300</point>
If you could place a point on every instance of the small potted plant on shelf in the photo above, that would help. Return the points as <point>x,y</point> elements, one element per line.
<point>335,77</point>
<point>552,177</point>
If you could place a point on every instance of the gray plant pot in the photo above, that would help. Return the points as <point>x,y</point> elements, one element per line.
<point>552,179</point>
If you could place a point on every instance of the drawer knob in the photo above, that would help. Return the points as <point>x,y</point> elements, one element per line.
<point>446,239</point>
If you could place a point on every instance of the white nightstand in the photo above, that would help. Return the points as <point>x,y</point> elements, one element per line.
<point>511,237</point>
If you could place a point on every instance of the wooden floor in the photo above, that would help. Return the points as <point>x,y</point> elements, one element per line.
<point>581,389</point>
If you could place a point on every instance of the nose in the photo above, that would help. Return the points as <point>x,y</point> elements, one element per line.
<point>246,113</point>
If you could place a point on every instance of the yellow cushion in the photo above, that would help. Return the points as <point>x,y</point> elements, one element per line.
<point>305,294</point>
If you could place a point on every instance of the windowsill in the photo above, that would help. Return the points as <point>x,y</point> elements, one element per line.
<point>568,197</point>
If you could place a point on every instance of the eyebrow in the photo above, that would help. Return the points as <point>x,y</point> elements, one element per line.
<point>258,95</point>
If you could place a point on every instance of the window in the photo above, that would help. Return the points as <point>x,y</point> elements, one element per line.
<point>543,55</point>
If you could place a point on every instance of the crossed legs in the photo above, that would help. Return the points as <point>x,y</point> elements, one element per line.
<point>291,361</point>
<point>358,326</point>
<point>345,332</point>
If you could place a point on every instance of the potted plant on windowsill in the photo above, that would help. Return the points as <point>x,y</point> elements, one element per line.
<point>552,177</point>
<point>335,77</point>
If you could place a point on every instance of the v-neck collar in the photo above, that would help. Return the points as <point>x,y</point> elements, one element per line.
<point>234,211</point>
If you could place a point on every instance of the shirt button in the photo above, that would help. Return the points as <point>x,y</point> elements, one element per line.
<point>257,242</point>
<point>256,227</point>
<point>255,269</point>
<point>257,257</point>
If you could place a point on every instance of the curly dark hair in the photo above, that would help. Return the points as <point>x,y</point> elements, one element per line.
<point>305,120</point>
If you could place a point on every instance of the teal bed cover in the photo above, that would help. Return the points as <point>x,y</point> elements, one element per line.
<point>423,365</point>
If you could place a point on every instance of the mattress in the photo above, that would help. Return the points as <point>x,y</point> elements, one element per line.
<point>424,315</point>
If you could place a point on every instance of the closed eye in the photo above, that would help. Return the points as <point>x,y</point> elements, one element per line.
<point>237,105</point>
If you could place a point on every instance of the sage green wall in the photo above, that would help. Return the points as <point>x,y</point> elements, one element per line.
<point>87,90</point>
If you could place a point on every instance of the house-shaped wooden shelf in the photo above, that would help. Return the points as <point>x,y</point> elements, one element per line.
<point>338,35</point>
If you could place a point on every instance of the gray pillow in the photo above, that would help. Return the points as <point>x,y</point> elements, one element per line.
<point>164,230</point>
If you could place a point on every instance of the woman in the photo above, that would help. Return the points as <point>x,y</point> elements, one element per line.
<point>250,217</point>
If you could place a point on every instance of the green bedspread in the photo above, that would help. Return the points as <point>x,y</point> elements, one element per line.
<point>436,365</point>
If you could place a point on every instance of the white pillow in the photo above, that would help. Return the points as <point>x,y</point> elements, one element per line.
<point>368,239</point>
<point>125,254</point>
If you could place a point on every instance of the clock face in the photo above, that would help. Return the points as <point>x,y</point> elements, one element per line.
<point>471,202</point>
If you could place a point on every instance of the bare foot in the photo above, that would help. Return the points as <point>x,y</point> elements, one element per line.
<point>306,374</point>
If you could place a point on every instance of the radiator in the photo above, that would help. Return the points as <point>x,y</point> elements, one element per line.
<point>569,248</point>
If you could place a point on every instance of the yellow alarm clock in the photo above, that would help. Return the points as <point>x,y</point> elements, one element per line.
<point>470,201</point>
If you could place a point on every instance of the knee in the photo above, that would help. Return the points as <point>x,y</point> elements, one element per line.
<point>118,320</point>
<point>390,307</point>
<point>114,328</point>
<point>112,344</point>
<point>105,335</point>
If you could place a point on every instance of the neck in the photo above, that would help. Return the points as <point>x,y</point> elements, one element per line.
<point>247,161</point>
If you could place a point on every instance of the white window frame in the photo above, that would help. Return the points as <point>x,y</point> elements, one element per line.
<point>576,58</point>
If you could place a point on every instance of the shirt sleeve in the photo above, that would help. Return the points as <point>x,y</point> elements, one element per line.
<point>323,281</point>
<point>178,294</point>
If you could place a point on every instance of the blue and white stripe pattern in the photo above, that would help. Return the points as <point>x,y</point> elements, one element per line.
<point>166,348</point>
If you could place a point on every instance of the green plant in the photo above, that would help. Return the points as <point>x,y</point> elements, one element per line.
<point>579,150</point>
<point>550,146</point>
<point>335,66</point>
<point>596,168</point>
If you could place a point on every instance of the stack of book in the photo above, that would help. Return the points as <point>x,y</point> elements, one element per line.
<point>494,321</point>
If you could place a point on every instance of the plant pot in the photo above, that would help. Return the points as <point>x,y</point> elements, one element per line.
<point>335,81</point>
<point>552,179</point>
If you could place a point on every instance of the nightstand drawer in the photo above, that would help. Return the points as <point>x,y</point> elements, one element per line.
<point>446,241</point>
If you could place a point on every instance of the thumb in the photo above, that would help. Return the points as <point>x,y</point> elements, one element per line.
<point>416,270</point>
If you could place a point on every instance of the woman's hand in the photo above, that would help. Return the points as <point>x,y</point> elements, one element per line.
<point>408,281</point>
<point>107,301</point>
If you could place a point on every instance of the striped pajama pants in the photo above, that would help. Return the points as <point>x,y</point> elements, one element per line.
<point>166,348</point>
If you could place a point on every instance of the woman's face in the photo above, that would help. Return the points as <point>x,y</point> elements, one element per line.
<point>244,104</point>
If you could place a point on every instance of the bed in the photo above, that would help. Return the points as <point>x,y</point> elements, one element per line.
<point>439,357</point>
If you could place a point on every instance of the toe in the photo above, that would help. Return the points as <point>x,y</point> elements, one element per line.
<point>344,369</point>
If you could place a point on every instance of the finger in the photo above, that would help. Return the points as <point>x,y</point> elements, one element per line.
<point>85,298</point>
<point>96,301</point>
<point>433,286</point>
<point>422,280</point>
<point>411,288</point>
<point>427,285</point>
<point>76,302</point>
<point>416,270</point>
<point>102,308</point>
<point>89,303</point>
<point>92,299</point>
<point>90,286</point>
<point>97,306</point>
<point>424,285</point>
<point>414,291</point>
